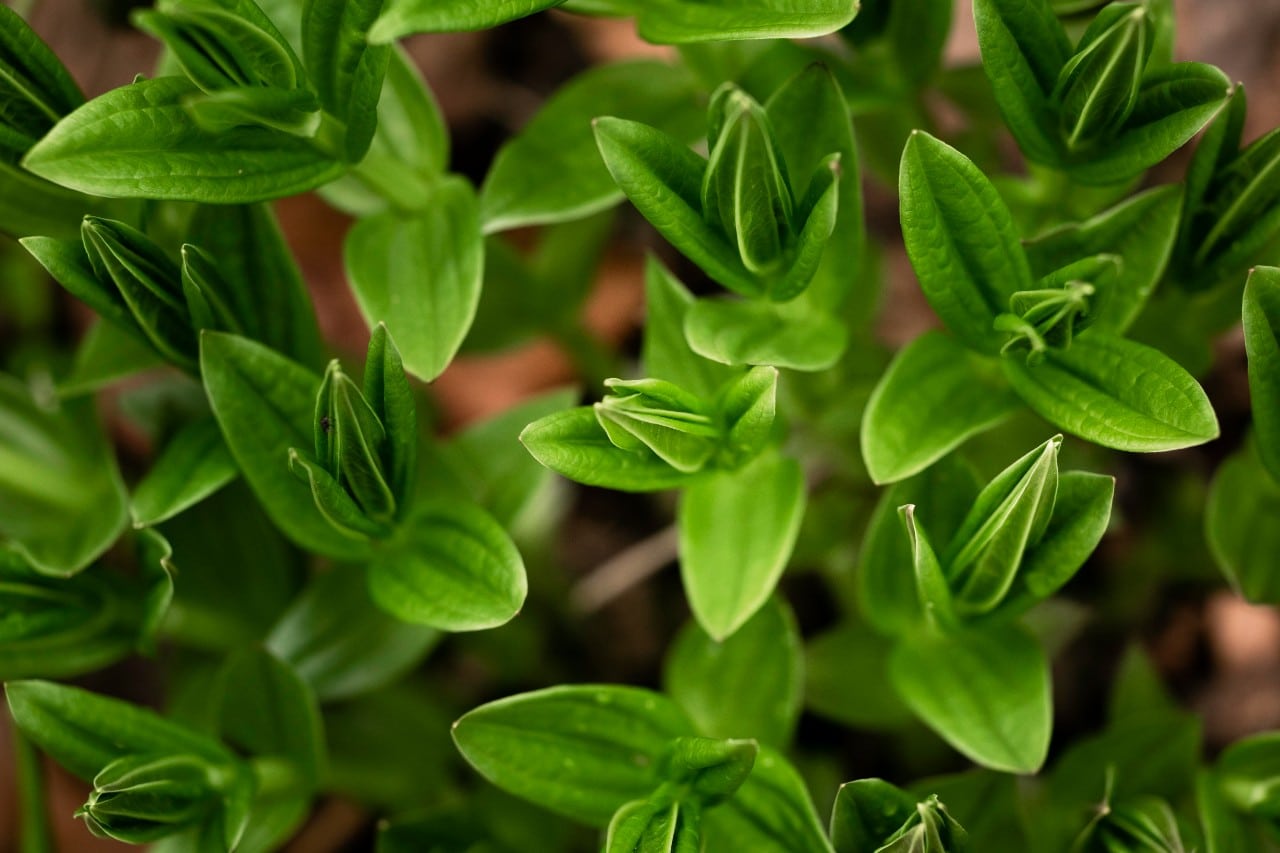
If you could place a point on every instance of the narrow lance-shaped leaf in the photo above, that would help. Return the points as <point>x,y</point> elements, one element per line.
<point>346,69</point>
<point>140,141</point>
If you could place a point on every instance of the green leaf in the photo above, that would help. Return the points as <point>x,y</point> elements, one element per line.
<point>1262,344</point>
<point>85,732</point>
<point>140,141</point>
<point>1140,231</point>
<point>1175,102</point>
<point>551,170</point>
<point>666,352</point>
<point>582,751</point>
<point>1118,394</point>
<point>64,627</point>
<point>62,503</point>
<point>1010,514</point>
<point>654,826</point>
<point>342,645</point>
<point>452,567</point>
<point>749,685</point>
<point>1242,500</point>
<point>934,397</point>
<point>106,355</point>
<point>405,17</point>
<point>682,22</point>
<point>487,462</point>
<point>738,331</point>
<point>193,465</point>
<point>345,68</point>
<point>1249,771</point>
<point>846,678</point>
<point>265,286</point>
<point>887,593</point>
<point>572,443</point>
<point>1224,830</point>
<point>704,770</point>
<point>961,240</point>
<point>771,811</point>
<point>1080,518</point>
<point>35,87</point>
<point>986,692</point>
<point>1024,49</point>
<point>737,530</point>
<point>267,710</point>
<point>421,275</point>
<point>265,406</point>
<point>867,813</point>
<point>663,179</point>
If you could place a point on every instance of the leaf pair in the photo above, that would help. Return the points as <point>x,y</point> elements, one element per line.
<point>874,816</point>
<point>1232,207</point>
<point>591,752</point>
<point>966,254</point>
<point>753,218</point>
<point>1100,110</point>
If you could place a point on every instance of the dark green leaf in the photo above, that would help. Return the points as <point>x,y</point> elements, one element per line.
<point>140,141</point>
<point>62,503</point>
<point>269,711</point>
<point>1242,500</point>
<point>1262,343</point>
<point>192,466</point>
<point>334,637</point>
<point>345,68</point>
<point>771,811</point>
<point>265,406</point>
<point>867,813</point>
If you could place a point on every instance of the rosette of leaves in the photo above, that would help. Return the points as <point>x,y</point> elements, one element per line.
<point>741,502</point>
<point>252,287</point>
<point>249,118</point>
<point>873,816</point>
<point>1040,323</point>
<point>442,560</point>
<point>1231,214</point>
<point>630,762</point>
<point>972,560</point>
<point>755,215</point>
<point>1101,109</point>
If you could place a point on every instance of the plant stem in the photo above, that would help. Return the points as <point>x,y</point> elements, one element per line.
<point>36,837</point>
<point>403,189</point>
<point>625,569</point>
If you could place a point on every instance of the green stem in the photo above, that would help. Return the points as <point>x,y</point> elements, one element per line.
<point>404,189</point>
<point>36,837</point>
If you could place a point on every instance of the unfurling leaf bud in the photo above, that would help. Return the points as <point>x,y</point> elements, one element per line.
<point>142,798</point>
<point>746,192</point>
<point>149,283</point>
<point>656,824</point>
<point>365,444</point>
<point>1009,516</point>
<point>207,293</point>
<point>1051,315</point>
<point>706,770</point>
<point>931,829</point>
<point>1098,87</point>
<point>658,415</point>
